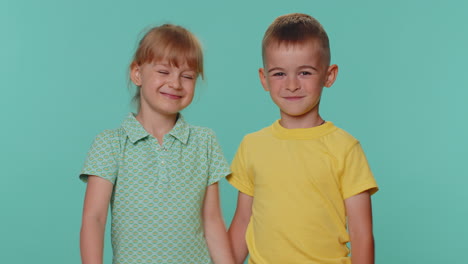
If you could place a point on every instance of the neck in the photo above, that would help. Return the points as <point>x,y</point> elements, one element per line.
<point>156,124</point>
<point>304,121</point>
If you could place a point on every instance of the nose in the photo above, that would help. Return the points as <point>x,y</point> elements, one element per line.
<point>293,84</point>
<point>174,82</point>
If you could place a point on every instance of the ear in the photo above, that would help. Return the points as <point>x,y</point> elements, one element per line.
<point>332,72</point>
<point>263,80</point>
<point>135,74</point>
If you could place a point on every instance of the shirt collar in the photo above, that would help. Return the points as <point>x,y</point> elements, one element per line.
<point>181,130</point>
<point>135,131</point>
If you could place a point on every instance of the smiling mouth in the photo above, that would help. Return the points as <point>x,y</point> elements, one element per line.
<point>171,96</point>
<point>293,98</point>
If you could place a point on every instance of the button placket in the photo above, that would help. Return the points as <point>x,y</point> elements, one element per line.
<point>156,158</point>
<point>164,158</point>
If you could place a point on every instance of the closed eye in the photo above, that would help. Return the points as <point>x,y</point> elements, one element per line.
<point>163,72</point>
<point>190,77</point>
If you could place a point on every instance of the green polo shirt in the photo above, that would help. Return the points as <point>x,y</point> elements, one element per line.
<point>158,190</point>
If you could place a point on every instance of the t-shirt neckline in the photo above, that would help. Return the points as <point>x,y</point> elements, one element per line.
<point>302,133</point>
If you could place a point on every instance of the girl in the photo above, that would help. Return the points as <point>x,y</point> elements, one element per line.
<point>158,173</point>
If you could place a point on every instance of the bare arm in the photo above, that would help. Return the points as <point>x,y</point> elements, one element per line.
<point>359,211</point>
<point>239,227</point>
<point>215,229</point>
<point>96,204</point>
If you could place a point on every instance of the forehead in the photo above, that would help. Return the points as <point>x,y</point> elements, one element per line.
<point>279,53</point>
<point>178,56</point>
<point>179,63</point>
<point>172,62</point>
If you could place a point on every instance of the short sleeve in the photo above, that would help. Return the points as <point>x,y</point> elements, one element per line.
<point>240,177</point>
<point>218,166</point>
<point>102,159</point>
<point>357,176</point>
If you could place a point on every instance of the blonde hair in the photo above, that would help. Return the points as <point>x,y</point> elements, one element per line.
<point>294,29</point>
<point>168,42</point>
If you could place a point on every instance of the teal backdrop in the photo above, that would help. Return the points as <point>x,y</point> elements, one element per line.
<point>402,90</point>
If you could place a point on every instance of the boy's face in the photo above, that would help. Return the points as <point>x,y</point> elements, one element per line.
<point>295,76</point>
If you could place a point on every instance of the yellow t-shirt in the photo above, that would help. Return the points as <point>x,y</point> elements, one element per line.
<point>299,179</point>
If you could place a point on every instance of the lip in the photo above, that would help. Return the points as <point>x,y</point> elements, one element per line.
<point>293,98</point>
<point>171,96</point>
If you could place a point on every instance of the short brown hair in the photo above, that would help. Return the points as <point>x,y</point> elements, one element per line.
<point>169,42</point>
<point>293,29</point>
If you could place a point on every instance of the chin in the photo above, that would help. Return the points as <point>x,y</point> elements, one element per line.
<point>295,114</point>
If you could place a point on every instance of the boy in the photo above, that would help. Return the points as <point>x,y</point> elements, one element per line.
<point>302,181</point>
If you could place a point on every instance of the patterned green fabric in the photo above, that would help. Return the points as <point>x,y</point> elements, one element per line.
<point>158,190</point>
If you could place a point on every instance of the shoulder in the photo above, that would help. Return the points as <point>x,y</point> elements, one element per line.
<point>202,137</point>
<point>109,139</point>
<point>257,136</point>
<point>341,139</point>
<point>111,134</point>
<point>262,133</point>
<point>201,132</point>
<point>344,135</point>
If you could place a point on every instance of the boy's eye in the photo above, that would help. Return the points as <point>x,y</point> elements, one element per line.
<point>279,74</point>
<point>305,73</point>
<point>163,72</point>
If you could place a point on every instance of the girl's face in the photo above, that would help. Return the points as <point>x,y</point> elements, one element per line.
<point>165,88</point>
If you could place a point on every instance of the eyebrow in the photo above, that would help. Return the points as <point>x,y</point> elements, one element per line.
<point>169,65</point>
<point>274,69</point>
<point>162,64</point>
<point>300,67</point>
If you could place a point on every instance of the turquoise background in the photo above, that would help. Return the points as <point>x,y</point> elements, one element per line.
<point>401,90</point>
